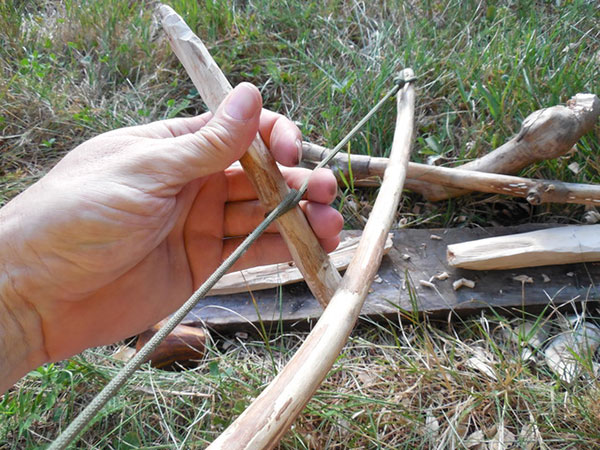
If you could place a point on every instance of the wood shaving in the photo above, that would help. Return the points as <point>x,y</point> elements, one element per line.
<point>592,216</point>
<point>426,283</point>
<point>435,237</point>
<point>546,278</point>
<point>475,440</point>
<point>463,282</point>
<point>483,361</point>
<point>523,279</point>
<point>441,276</point>
<point>566,351</point>
<point>502,440</point>
<point>574,167</point>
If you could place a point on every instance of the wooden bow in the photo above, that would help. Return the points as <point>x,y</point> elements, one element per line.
<point>271,414</point>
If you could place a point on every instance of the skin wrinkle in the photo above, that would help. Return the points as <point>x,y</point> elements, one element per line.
<point>191,232</point>
<point>30,307</point>
<point>28,249</point>
<point>214,136</point>
<point>168,205</point>
<point>185,126</point>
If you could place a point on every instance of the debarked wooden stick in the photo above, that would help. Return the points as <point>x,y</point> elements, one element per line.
<point>535,191</point>
<point>560,245</point>
<point>258,163</point>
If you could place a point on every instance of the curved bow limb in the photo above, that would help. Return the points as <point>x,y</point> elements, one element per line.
<point>258,163</point>
<point>274,410</point>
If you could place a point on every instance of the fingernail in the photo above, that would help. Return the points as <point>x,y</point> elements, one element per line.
<point>299,147</point>
<point>241,103</point>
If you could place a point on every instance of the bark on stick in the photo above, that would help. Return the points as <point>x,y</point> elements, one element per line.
<point>545,134</point>
<point>535,191</point>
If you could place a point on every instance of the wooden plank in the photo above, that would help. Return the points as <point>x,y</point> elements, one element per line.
<point>294,305</point>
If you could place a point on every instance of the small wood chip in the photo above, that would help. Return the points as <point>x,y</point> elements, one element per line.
<point>570,274</point>
<point>377,279</point>
<point>523,279</point>
<point>435,237</point>
<point>546,278</point>
<point>426,283</point>
<point>591,216</point>
<point>574,167</point>
<point>441,276</point>
<point>405,256</point>
<point>463,282</point>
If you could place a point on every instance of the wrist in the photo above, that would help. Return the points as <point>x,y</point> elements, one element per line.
<point>21,332</point>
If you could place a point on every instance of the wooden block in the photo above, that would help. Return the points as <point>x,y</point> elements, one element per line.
<point>559,245</point>
<point>415,256</point>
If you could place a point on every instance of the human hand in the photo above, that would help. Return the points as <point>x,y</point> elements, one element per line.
<point>123,229</point>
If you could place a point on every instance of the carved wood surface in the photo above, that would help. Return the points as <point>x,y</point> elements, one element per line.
<point>294,306</point>
<point>545,134</point>
<point>274,275</point>
<point>562,245</point>
<point>535,191</point>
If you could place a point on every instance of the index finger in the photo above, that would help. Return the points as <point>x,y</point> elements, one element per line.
<point>282,137</point>
<point>322,185</point>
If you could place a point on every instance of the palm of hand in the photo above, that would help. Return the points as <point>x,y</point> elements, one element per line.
<point>118,259</point>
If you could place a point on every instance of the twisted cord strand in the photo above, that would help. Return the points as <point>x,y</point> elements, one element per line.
<point>122,377</point>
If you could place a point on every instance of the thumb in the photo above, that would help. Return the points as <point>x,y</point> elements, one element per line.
<point>223,140</point>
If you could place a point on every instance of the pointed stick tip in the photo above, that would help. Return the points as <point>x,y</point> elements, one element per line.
<point>164,11</point>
